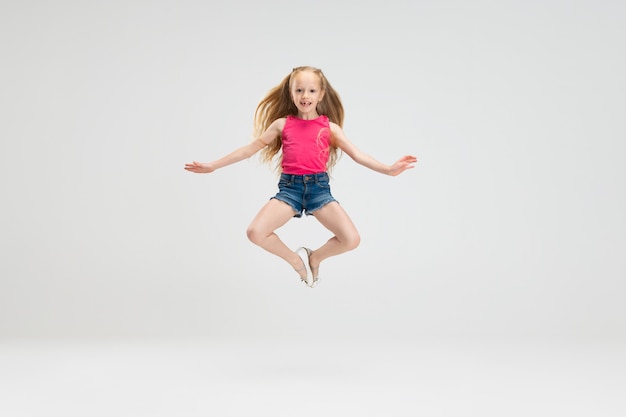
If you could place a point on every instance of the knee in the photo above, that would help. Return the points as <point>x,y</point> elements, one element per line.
<point>352,241</point>
<point>253,234</point>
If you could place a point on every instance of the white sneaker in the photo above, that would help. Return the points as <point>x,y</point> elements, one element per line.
<point>304,255</point>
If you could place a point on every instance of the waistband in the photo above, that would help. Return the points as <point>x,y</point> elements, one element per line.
<point>305,178</point>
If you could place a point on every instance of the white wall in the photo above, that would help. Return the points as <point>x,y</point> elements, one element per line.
<point>511,225</point>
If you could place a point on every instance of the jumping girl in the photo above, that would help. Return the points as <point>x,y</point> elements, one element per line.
<point>300,122</point>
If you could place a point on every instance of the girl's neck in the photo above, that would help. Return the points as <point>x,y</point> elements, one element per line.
<point>308,116</point>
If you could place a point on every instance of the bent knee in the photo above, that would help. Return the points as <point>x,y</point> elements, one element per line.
<point>352,241</point>
<point>254,235</point>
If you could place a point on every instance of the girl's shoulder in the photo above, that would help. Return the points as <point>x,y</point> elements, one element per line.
<point>279,124</point>
<point>334,127</point>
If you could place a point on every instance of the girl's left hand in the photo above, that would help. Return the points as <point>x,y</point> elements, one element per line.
<point>402,164</point>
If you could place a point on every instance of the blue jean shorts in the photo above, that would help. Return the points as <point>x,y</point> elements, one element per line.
<point>304,192</point>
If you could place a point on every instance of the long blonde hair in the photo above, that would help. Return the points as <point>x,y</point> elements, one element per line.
<point>278,103</point>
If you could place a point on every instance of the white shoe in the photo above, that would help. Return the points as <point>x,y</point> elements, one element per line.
<point>315,279</point>
<point>304,255</point>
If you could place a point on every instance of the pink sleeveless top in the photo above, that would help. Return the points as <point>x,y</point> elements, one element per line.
<point>305,145</point>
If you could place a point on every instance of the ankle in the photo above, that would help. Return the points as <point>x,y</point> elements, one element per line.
<point>314,262</point>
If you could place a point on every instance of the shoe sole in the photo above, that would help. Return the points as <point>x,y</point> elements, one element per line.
<point>304,255</point>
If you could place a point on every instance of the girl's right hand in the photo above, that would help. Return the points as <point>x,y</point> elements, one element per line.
<point>402,164</point>
<point>199,167</point>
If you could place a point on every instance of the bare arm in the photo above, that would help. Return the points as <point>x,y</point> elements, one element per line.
<point>241,153</point>
<point>398,167</point>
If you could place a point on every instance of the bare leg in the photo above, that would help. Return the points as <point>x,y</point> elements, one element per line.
<point>333,217</point>
<point>261,232</point>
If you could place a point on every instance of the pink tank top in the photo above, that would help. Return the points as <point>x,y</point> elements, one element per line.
<point>305,145</point>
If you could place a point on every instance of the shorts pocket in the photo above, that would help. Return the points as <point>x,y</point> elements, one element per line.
<point>323,183</point>
<point>284,183</point>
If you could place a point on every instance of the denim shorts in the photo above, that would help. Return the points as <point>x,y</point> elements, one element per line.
<point>304,192</point>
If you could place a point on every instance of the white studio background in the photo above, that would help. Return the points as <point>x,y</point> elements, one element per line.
<point>511,225</point>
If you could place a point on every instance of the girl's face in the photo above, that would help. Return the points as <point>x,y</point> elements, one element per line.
<point>306,93</point>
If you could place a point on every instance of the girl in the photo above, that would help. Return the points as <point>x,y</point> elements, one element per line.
<point>301,120</point>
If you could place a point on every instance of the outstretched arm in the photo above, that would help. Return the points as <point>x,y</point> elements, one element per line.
<point>239,154</point>
<point>398,167</point>
<point>233,157</point>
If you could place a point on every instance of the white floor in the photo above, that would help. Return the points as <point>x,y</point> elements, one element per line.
<point>201,378</point>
